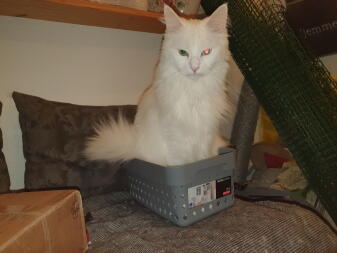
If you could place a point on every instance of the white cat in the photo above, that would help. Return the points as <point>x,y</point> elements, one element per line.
<point>178,117</point>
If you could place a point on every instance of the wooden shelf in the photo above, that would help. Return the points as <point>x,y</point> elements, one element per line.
<point>84,12</point>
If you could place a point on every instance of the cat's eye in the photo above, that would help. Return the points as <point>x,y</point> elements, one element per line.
<point>183,52</point>
<point>206,51</point>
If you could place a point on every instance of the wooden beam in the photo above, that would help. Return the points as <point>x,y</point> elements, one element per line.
<point>84,12</point>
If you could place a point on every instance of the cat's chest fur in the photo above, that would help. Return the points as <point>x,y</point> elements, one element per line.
<point>194,103</point>
<point>188,113</point>
<point>188,103</point>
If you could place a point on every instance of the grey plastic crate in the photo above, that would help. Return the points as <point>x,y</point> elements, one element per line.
<point>184,194</point>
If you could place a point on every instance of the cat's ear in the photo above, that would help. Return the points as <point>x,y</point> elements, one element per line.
<point>217,22</point>
<point>171,19</point>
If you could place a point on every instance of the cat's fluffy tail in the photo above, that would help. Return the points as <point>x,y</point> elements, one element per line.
<point>114,141</point>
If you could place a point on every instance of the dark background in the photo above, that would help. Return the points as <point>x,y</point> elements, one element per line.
<point>315,21</point>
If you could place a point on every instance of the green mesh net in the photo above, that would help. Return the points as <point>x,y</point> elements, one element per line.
<point>293,86</point>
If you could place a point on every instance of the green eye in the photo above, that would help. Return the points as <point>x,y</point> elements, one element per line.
<point>183,52</point>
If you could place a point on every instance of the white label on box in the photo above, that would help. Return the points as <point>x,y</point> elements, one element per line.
<point>201,194</point>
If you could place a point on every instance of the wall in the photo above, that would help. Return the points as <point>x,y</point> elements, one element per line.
<point>68,63</point>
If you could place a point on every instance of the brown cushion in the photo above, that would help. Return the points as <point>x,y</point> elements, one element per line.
<point>54,135</point>
<point>4,177</point>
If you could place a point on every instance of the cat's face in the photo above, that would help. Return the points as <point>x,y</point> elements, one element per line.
<point>194,47</point>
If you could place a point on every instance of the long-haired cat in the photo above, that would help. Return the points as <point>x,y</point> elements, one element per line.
<point>179,115</point>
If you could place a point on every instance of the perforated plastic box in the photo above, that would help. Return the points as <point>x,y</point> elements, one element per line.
<point>184,194</point>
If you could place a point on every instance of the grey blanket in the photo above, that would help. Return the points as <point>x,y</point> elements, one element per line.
<point>121,225</point>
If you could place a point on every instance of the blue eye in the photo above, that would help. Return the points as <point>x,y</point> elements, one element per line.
<point>183,52</point>
<point>206,51</point>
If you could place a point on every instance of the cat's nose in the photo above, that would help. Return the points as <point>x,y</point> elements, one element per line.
<point>194,64</point>
<point>195,69</point>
